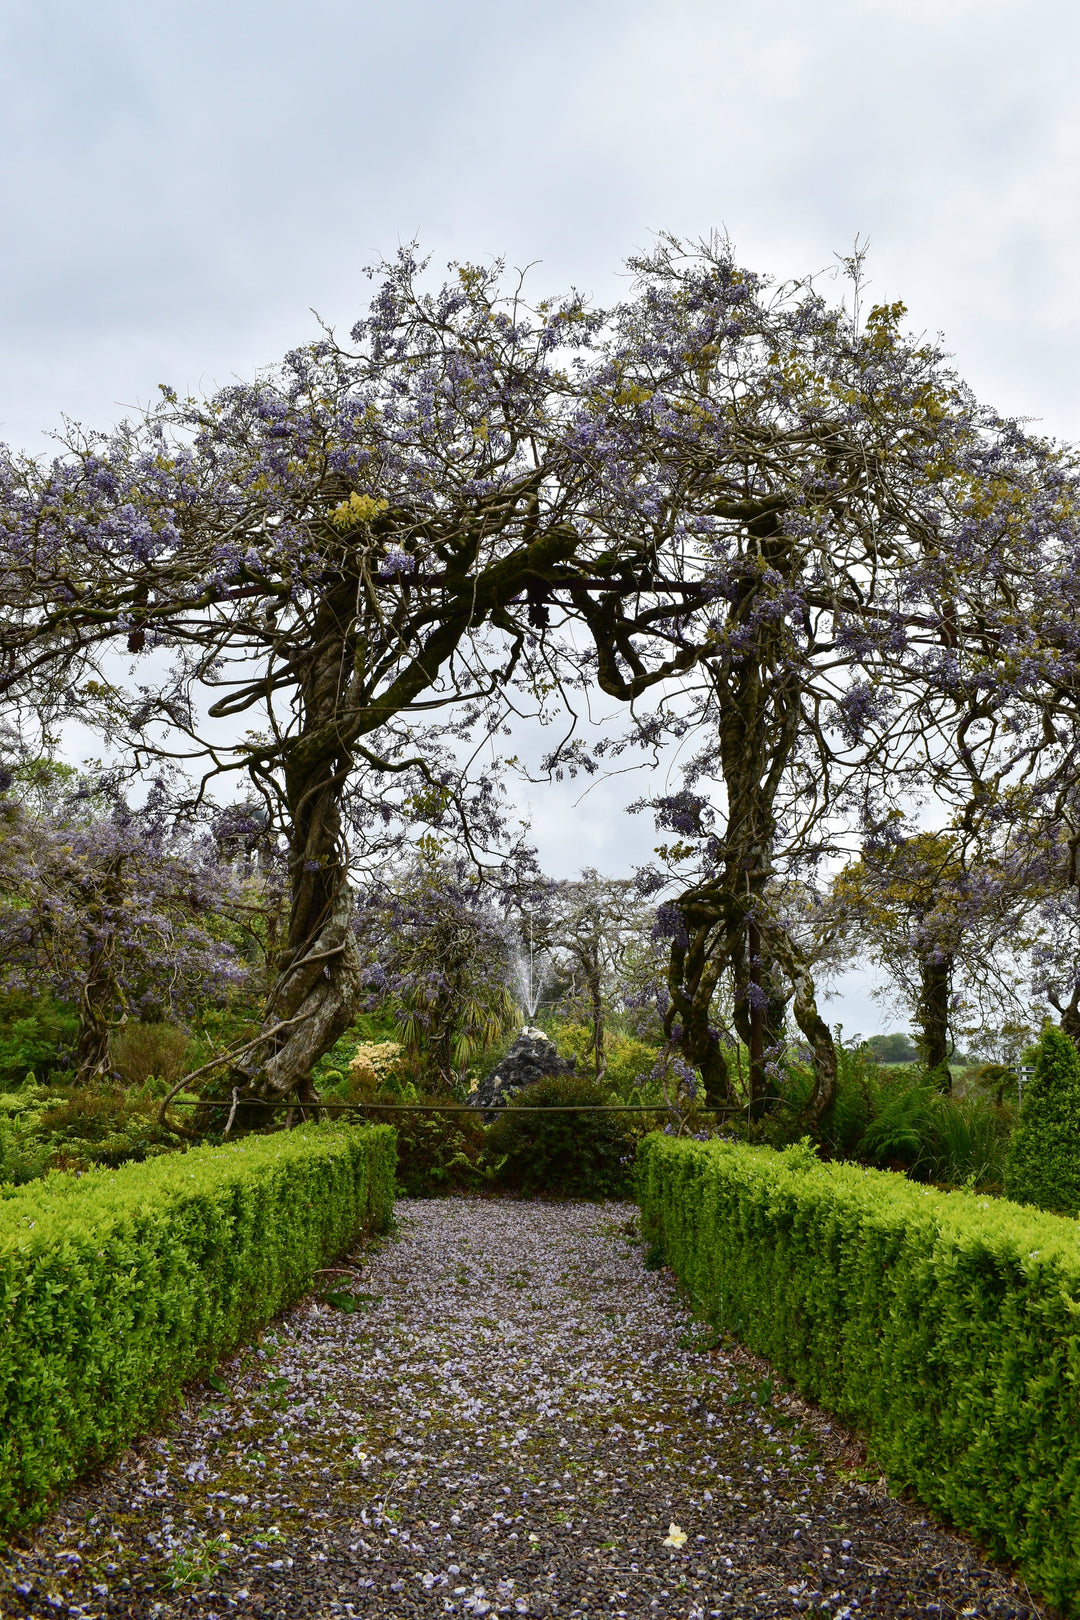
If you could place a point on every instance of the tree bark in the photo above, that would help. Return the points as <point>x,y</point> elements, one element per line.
<point>933,1015</point>
<point>760,1008</point>
<point>596,1002</point>
<point>95,1004</point>
<point>692,979</point>
<point>813,1026</point>
<point>317,987</point>
<point>99,994</point>
<point>1070,1015</point>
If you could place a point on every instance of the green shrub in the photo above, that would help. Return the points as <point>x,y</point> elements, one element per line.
<point>942,1323</point>
<point>995,1080</point>
<point>902,1125</point>
<point>578,1155</point>
<point>1043,1166</point>
<point>333,1067</point>
<point>629,1064</point>
<point>575,1043</point>
<point>437,1152</point>
<point>895,1119</point>
<point>118,1286</point>
<point>847,1116</point>
<point>24,1152</point>
<point>36,1036</point>
<point>53,1127</point>
<point>141,1052</point>
<point>627,1061</point>
<point>968,1143</point>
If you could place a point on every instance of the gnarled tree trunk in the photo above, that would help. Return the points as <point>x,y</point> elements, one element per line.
<point>98,995</point>
<point>935,977</point>
<point>805,1010</point>
<point>314,997</point>
<point>693,974</point>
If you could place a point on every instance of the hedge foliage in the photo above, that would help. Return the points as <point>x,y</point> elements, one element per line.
<point>946,1325</point>
<point>575,1155</point>
<point>1043,1166</point>
<point>118,1286</point>
<point>439,1152</point>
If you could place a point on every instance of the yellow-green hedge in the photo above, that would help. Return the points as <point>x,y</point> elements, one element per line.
<point>118,1286</point>
<point>945,1325</point>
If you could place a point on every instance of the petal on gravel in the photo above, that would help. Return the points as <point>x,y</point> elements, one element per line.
<point>535,1438</point>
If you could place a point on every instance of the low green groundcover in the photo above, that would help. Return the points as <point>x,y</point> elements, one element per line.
<point>119,1285</point>
<point>946,1325</point>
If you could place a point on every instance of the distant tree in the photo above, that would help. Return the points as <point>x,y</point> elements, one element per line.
<point>923,910</point>
<point>845,580</point>
<point>1043,1165</point>
<point>892,1048</point>
<point>111,909</point>
<point>642,994</point>
<point>437,952</point>
<point>593,923</point>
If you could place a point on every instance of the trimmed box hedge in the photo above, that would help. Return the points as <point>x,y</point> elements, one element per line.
<point>945,1325</point>
<point>118,1286</point>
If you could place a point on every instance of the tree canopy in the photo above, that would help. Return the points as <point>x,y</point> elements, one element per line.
<point>783,533</point>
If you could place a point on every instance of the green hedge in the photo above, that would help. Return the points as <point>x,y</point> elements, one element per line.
<point>118,1286</point>
<point>945,1325</point>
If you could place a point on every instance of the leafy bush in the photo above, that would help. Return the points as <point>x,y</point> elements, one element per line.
<point>36,1036</point>
<point>969,1143</point>
<point>902,1124</point>
<point>895,1119</point>
<point>438,1152</point>
<point>996,1080</point>
<point>942,1323</point>
<point>375,1064</point>
<point>117,1287</point>
<point>45,1128</point>
<point>24,1152</point>
<point>141,1052</point>
<point>372,1039</point>
<point>579,1155</point>
<point>90,1127</point>
<point>848,1115</point>
<point>627,1060</point>
<point>1043,1166</point>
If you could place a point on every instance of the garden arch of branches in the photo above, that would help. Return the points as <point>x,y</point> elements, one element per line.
<point>779,533</point>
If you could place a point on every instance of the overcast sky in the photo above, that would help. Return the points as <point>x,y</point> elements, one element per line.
<point>182,185</point>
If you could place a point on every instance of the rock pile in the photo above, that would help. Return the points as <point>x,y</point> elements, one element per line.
<point>532,1057</point>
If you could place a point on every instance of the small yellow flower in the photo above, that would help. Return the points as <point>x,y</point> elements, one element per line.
<point>675,1537</point>
<point>357,509</point>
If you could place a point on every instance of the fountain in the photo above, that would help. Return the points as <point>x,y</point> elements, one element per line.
<point>531,972</point>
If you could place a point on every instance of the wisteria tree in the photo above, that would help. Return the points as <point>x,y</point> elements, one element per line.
<point>592,921</point>
<point>437,955</point>
<point>115,911</point>
<point>846,580</point>
<point>950,929</point>
<point>861,532</point>
<point>361,538</point>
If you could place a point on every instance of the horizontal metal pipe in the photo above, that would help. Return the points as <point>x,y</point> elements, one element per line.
<point>450,1108</point>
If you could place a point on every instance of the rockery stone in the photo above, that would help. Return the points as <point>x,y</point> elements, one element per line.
<point>532,1057</point>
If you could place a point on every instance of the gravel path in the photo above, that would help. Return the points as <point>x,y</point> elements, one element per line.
<point>519,1420</point>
